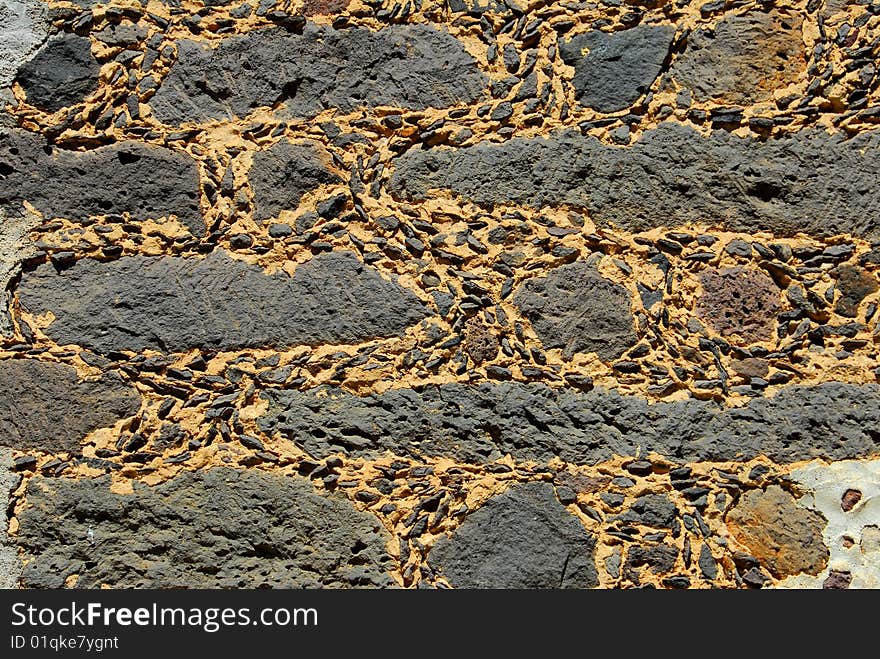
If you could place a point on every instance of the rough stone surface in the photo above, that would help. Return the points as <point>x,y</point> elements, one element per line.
<point>523,538</point>
<point>612,70</point>
<point>324,7</point>
<point>658,559</point>
<point>219,528</point>
<point>785,537</point>
<point>173,303</point>
<point>10,566</point>
<point>61,73</point>
<point>47,406</point>
<point>651,510</point>
<point>855,284</point>
<point>481,344</point>
<point>147,182</point>
<point>24,26</point>
<point>811,181</point>
<point>407,66</point>
<point>739,303</point>
<point>482,423</point>
<point>282,174</point>
<point>742,59</point>
<point>578,310</point>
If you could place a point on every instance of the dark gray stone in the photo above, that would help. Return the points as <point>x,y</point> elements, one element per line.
<point>219,528</point>
<point>651,510</point>
<point>578,310</point>
<point>523,538</point>
<point>282,174</point>
<point>707,563</point>
<point>658,559</point>
<point>61,73</point>
<point>147,182</point>
<point>742,59</point>
<point>173,304</point>
<point>47,406</point>
<point>481,423</point>
<point>612,70</point>
<point>808,182</point>
<point>406,66</point>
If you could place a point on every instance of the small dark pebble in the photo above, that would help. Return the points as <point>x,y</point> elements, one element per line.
<point>642,468</point>
<point>677,581</point>
<point>251,442</point>
<point>24,463</point>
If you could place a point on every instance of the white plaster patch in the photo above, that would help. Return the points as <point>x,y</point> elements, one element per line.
<point>826,484</point>
<point>23,27</point>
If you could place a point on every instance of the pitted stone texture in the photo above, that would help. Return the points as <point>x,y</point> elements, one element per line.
<point>24,25</point>
<point>324,7</point>
<point>47,406</point>
<point>739,303</point>
<point>220,528</point>
<point>785,537</point>
<point>61,73</point>
<point>146,182</point>
<point>659,559</point>
<point>855,284</point>
<point>651,510</point>
<point>578,310</point>
<point>409,66</point>
<point>808,182</point>
<point>10,565</point>
<point>173,304</point>
<point>282,174</point>
<point>613,70</point>
<point>523,538</point>
<point>742,59</point>
<point>481,344</point>
<point>532,422</point>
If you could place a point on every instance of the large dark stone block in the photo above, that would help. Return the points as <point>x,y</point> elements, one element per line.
<point>145,181</point>
<point>482,423</point>
<point>47,406</point>
<point>220,528</point>
<point>808,182</point>
<point>173,304</point>
<point>407,66</point>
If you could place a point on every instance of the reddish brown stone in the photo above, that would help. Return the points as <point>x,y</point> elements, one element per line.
<point>837,580</point>
<point>739,303</point>
<point>480,343</point>
<point>581,482</point>
<point>855,284</point>
<point>742,59</point>
<point>324,7</point>
<point>849,499</point>
<point>750,367</point>
<point>783,536</point>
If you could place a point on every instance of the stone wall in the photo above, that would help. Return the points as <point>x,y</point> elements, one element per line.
<point>465,293</point>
